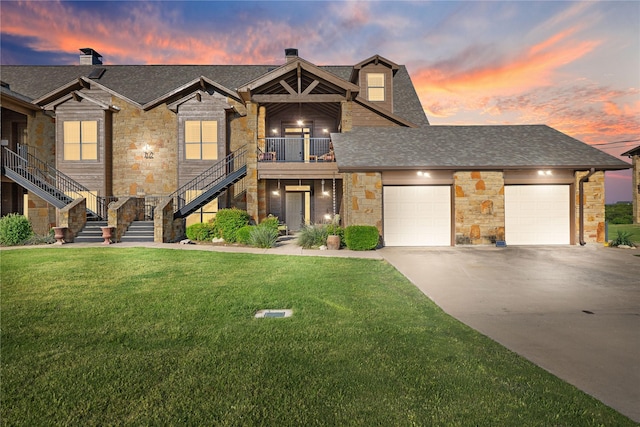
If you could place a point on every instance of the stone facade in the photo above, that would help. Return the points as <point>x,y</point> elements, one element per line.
<point>41,134</point>
<point>251,180</point>
<point>73,217</point>
<point>362,199</point>
<point>479,207</point>
<point>123,212</point>
<point>133,174</point>
<point>594,218</point>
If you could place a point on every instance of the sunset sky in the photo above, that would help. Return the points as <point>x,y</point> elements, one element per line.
<point>572,65</point>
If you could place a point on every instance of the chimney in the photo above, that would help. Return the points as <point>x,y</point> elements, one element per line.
<point>291,54</point>
<point>90,57</point>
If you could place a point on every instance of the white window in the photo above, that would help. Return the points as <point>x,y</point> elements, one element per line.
<point>375,86</point>
<point>80,140</point>
<point>201,139</point>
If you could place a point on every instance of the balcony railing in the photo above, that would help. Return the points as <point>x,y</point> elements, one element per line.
<point>307,150</point>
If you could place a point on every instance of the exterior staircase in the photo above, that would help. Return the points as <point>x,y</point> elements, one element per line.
<point>210,183</point>
<point>47,182</point>
<point>139,231</point>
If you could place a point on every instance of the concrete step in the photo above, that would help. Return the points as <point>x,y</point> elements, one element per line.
<point>91,233</point>
<point>139,231</point>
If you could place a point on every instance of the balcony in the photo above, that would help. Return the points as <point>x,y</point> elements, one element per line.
<point>300,150</point>
<point>296,158</point>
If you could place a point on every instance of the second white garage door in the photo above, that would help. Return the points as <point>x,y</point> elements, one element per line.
<point>537,214</point>
<point>417,216</point>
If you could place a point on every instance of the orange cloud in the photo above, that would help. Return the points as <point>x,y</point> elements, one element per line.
<point>532,68</point>
<point>135,38</point>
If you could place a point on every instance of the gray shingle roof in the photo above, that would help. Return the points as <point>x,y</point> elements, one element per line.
<point>466,147</point>
<point>144,83</point>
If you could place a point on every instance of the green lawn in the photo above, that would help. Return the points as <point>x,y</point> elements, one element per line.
<point>634,229</point>
<point>104,336</point>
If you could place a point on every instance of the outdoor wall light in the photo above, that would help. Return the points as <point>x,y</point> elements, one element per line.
<point>274,131</point>
<point>325,130</point>
<point>276,192</point>
<point>327,217</point>
<point>300,122</point>
<point>545,173</point>
<point>424,174</point>
<point>324,192</point>
<point>148,154</point>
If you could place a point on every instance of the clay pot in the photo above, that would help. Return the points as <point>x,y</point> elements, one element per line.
<point>59,235</point>
<point>106,235</point>
<point>333,242</point>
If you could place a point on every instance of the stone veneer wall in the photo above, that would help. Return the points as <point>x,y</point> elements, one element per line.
<point>41,214</point>
<point>123,212</point>
<point>251,181</point>
<point>479,207</point>
<point>594,219</point>
<point>362,194</point>
<point>133,175</point>
<point>165,228</point>
<point>41,134</point>
<point>74,217</point>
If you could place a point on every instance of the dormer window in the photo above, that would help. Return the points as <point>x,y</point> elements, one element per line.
<point>375,86</point>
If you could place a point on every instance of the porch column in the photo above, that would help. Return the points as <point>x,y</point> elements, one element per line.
<point>252,160</point>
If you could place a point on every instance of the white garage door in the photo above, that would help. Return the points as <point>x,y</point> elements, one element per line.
<point>417,216</point>
<point>537,214</point>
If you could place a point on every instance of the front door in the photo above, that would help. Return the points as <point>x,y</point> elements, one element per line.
<point>297,139</point>
<point>294,210</point>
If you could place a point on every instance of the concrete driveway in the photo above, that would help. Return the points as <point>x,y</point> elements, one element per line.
<point>574,311</point>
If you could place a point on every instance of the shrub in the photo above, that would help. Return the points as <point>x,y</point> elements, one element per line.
<point>229,221</point>
<point>243,234</point>
<point>263,236</point>
<point>271,222</point>
<point>624,238</point>
<point>312,236</point>
<point>201,231</point>
<point>14,229</point>
<point>361,237</point>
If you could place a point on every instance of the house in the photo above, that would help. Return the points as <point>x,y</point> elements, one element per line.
<point>634,154</point>
<point>175,143</point>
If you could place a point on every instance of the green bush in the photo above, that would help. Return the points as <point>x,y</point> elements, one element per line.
<point>14,229</point>
<point>263,236</point>
<point>271,222</point>
<point>202,231</point>
<point>312,236</point>
<point>619,213</point>
<point>229,221</point>
<point>361,237</point>
<point>624,238</point>
<point>243,234</point>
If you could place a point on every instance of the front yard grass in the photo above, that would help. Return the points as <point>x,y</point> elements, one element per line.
<point>103,336</point>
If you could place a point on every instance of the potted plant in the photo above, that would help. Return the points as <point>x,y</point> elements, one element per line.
<point>333,239</point>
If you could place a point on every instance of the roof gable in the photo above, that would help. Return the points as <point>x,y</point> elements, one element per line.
<point>295,80</point>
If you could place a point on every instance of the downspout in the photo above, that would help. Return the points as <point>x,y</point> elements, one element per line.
<point>581,206</point>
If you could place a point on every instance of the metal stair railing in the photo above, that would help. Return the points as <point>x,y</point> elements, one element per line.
<point>48,182</point>
<point>210,183</point>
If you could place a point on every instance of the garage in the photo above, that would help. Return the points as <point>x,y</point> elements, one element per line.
<point>417,215</point>
<point>537,214</point>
